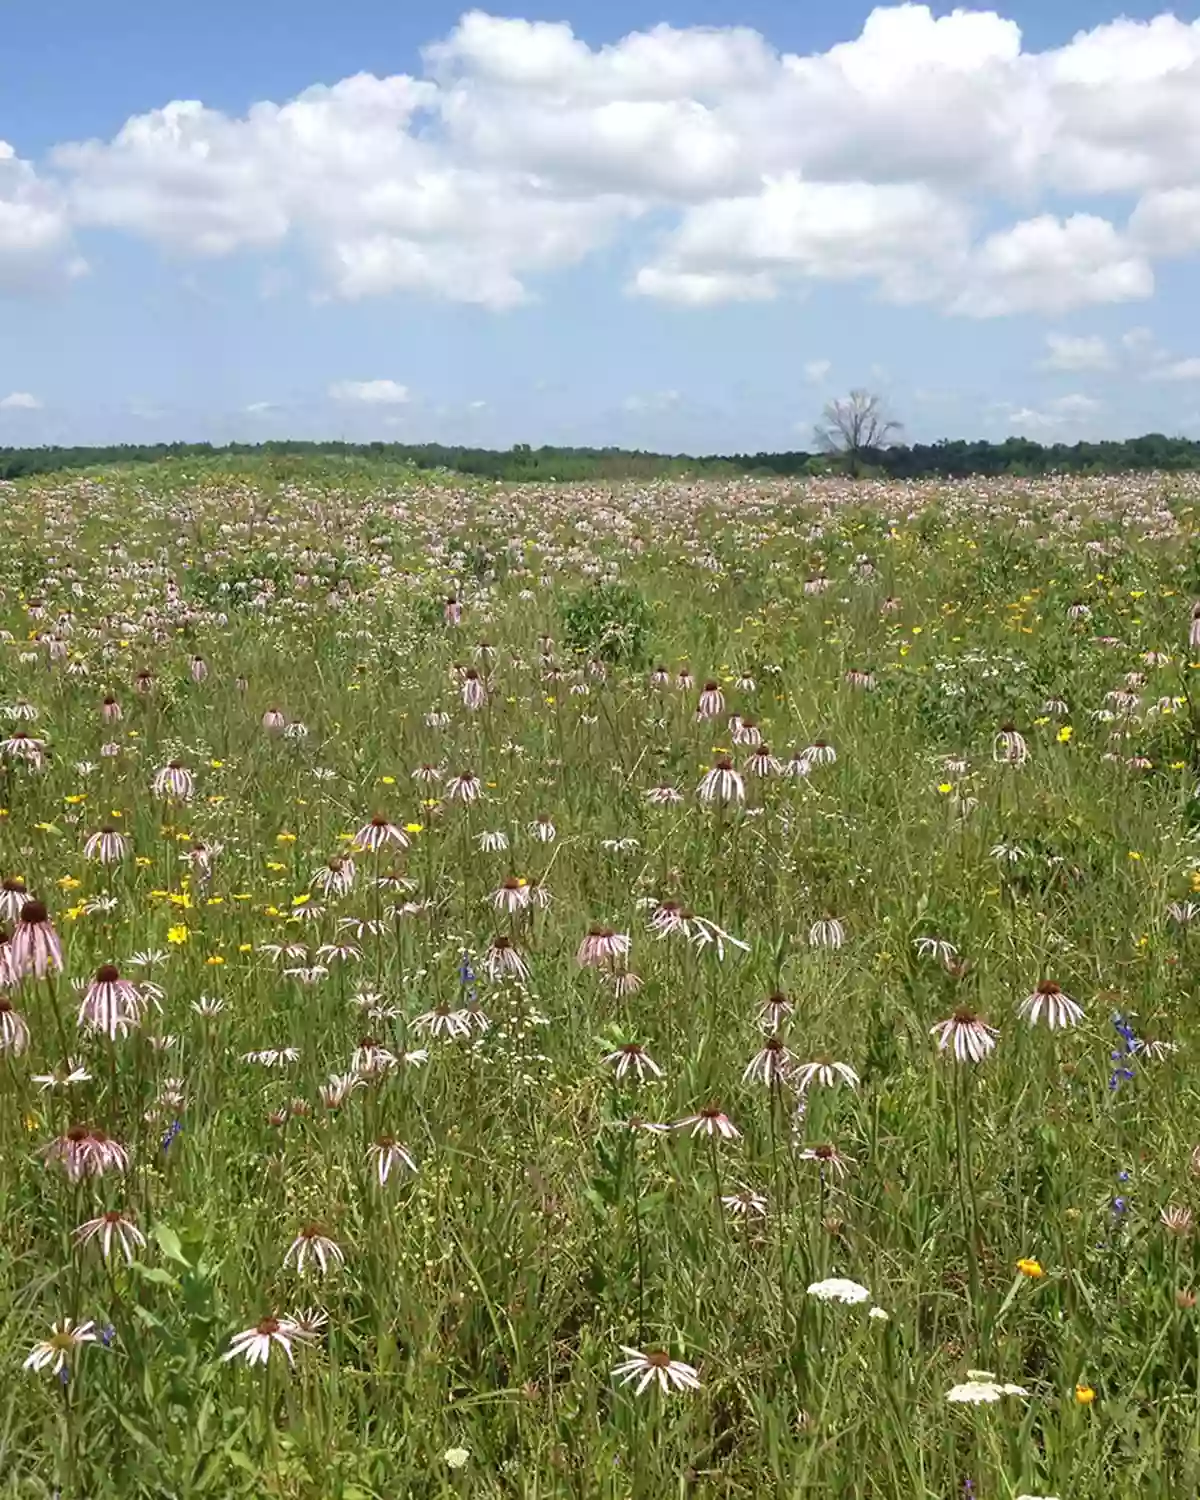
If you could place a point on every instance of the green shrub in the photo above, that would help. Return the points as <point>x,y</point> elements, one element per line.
<point>608,620</point>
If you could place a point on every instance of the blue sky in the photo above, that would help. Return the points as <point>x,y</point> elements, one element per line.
<point>587,223</point>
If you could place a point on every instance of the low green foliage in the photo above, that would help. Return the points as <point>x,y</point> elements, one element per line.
<point>521,1149</point>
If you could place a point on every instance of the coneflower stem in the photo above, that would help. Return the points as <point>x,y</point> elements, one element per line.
<point>966,1188</point>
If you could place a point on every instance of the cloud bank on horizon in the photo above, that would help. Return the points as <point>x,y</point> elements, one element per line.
<point>930,160</point>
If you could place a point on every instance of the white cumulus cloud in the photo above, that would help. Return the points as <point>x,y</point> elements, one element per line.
<point>1176,369</point>
<point>34,229</point>
<point>370,392</point>
<point>931,158</point>
<point>20,401</point>
<point>1065,351</point>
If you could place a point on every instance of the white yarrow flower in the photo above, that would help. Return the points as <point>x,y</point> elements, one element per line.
<point>839,1289</point>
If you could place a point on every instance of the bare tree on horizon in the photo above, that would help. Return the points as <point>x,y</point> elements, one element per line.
<point>856,426</point>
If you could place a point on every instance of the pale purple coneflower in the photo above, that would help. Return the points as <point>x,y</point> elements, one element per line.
<point>632,1057</point>
<point>107,1228</point>
<point>198,669</point>
<point>110,711</point>
<point>660,678</point>
<point>820,753</point>
<point>710,1122</point>
<point>745,1203</point>
<point>511,897</point>
<point>474,690</point>
<point>338,1089</point>
<point>254,1345</point>
<point>655,1368</point>
<point>707,934</point>
<point>968,1035</point>
<point>827,1157</point>
<point>371,1058</point>
<point>762,763</point>
<point>722,784</point>
<point>14,1030</point>
<point>174,782</point>
<point>745,731</point>
<point>934,947</point>
<point>388,1155</point>
<point>62,1078</point>
<point>13,896</point>
<point>774,1010</point>
<point>307,974</point>
<point>335,877</point>
<point>465,787</point>
<point>711,704</point>
<point>443,1020</point>
<point>107,847</point>
<point>669,917</point>
<point>827,933</point>
<point>664,796</point>
<point>1009,747</point>
<point>378,834</point>
<point>34,947</point>
<point>1158,1049</point>
<point>428,775</point>
<point>771,1065</point>
<point>475,1016</point>
<point>111,1005</point>
<point>315,1245</point>
<point>279,952</point>
<point>84,1152</point>
<point>67,1338</point>
<point>492,841</point>
<point>1060,1010</point>
<point>274,721</point>
<point>622,982</point>
<point>503,961</point>
<point>543,829</point>
<point>602,947</point>
<point>824,1071</point>
<point>24,749</point>
<point>272,1057</point>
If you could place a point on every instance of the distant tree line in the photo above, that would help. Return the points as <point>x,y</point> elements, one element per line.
<point>947,459</point>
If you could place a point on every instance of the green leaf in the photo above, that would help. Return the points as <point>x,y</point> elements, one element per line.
<point>169,1243</point>
<point>156,1275</point>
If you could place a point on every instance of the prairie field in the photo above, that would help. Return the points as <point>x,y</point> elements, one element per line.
<point>679,988</point>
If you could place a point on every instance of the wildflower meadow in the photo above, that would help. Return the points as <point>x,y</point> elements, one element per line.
<point>617,990</point>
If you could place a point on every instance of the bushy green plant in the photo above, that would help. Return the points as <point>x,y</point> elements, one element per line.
<point>608,620</point>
